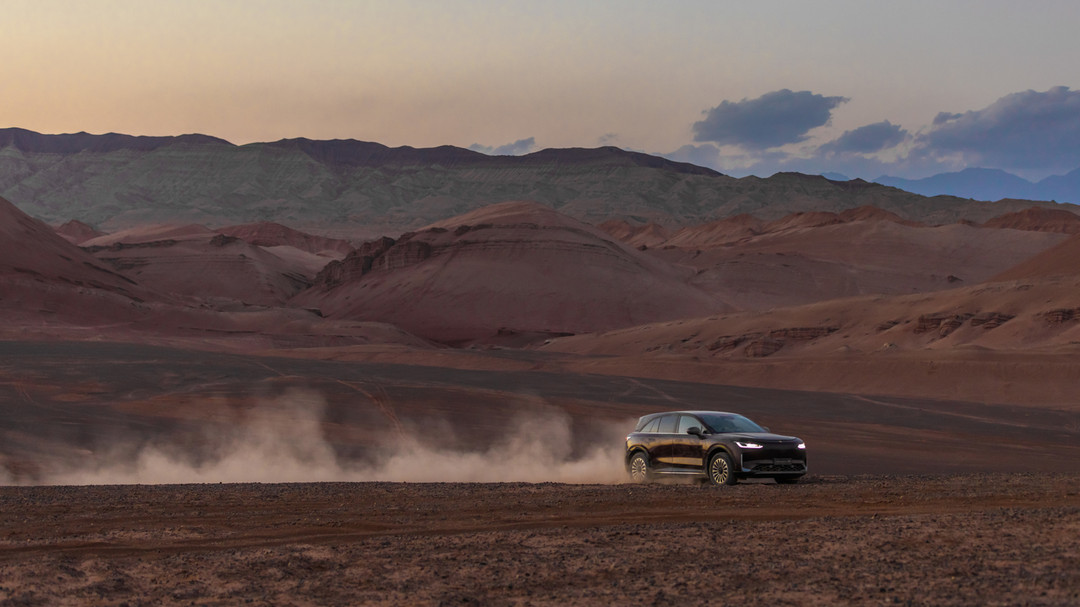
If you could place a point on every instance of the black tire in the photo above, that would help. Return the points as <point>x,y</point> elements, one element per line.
<point>720,470</point>
<point>787,480</point>
<point>639,468</point>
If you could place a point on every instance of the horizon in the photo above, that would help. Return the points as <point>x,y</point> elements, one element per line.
<point>828,174</point>
<point>907,91</point>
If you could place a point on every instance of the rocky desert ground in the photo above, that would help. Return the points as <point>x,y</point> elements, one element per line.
<point>970,539</point>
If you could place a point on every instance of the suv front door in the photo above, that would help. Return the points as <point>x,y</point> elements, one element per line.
<point>688,450</point>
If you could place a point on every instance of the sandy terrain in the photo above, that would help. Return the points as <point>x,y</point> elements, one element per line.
<point>796,264</point>
<point>945,540</point>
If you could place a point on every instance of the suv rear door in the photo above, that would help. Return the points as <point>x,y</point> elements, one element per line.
<point>660,450</point>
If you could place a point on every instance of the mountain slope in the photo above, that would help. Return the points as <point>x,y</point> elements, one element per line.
<point>74,143</point>
<point>51,289</point>
<point>77,232</point>
<point>994,342</point>
<point>1039,219</point>
<point>208,268</point>
<point>1062,260</point>
<point>980,184</point>
<point>1037,314</point>
<point>813,257</point>
<point>512,271</point>
<point>46,279</point>
<point>1062,188</point>
<point>991,184</point>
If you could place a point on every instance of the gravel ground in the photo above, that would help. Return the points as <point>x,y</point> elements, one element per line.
<point>868,540</point>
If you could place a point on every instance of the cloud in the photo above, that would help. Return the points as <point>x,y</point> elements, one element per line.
<point>706,155</point>
<point>1030,133</point>
<point>517,148</point>
<point>944,117</point>
<point>865,166</point>
<point>770,121</point>
<point>607,139</point>
<point>867,139</point>
<point>1026,130</point>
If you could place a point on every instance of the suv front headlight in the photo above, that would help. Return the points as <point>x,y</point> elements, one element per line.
<point>748,445</point>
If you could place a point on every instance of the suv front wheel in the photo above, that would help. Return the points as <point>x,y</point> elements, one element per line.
<point>719,471</point>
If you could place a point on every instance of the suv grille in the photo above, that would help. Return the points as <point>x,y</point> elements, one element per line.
<point>794,467</point>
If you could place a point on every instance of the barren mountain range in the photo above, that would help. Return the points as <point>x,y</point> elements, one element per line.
<point>991,184</point>
<point>356,189</point>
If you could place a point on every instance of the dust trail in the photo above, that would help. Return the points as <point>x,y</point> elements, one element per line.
<point>283,441</point>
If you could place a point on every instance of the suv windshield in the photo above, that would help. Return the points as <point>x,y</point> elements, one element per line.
<point>730,423</point>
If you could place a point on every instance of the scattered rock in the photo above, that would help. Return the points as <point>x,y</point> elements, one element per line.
<point>374,248</point>
<point>952,323</point>
<point>802,333</point>
<point>760,348</point>
<point>402,255</point>
<point>991,320</point>
<point>730,342</point>
<point>222,240</point>
<point>1061,315</point>
<point>372,255</point>
<point>944,324</point>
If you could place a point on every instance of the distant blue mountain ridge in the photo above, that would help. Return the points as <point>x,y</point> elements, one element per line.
<point>990,184</point>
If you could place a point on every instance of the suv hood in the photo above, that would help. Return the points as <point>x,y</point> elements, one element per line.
<point>760,437</point>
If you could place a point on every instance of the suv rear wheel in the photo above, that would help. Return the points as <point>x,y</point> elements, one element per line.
<point>639,468</point>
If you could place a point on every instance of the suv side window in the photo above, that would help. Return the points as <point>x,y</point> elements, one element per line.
<point>652,426</point>
<point>667,424</point>
<point>686,422</point>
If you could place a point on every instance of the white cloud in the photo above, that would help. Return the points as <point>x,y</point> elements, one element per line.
<point>517,148</point>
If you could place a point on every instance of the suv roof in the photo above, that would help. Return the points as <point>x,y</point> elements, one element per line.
<point>646,418</point>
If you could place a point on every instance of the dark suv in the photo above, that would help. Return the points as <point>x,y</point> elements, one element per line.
<point>721,447</point>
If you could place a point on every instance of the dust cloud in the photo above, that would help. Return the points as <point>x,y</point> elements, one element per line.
<point>283,441</point>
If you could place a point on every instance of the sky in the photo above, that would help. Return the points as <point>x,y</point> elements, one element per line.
<point>862,88</point>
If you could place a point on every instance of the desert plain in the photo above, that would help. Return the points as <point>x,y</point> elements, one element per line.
<point>287,408</point>
<point>988,539</point>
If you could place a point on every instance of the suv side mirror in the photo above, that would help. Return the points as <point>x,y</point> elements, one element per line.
<point>695,431</point>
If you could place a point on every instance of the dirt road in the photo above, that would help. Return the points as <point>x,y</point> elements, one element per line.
<point>956,539</point>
